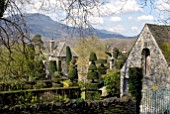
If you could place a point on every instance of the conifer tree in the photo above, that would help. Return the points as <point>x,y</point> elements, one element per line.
<point>53,67</point>
<point>68,57</point>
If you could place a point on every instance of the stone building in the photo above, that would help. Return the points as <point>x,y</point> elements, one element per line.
<point>58,52</point>
<point>151,52</point>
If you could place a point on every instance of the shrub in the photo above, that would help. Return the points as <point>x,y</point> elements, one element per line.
<point>48,97</point>
<point>39,84</point>
<point>112,82</point>
<point>93,95</point>
<point>53,67</point>
<point>135,85</point>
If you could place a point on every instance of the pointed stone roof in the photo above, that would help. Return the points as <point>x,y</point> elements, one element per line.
<point>60,50</point>
<point>161,33</point>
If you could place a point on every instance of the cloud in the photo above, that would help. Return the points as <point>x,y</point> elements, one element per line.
<point>118,28</point>
<point>116,19</point>
<point>119,7</point>
<point>134,28</point>
<point>96,20</point>
<point>130,18</point>
<point>145,18</point>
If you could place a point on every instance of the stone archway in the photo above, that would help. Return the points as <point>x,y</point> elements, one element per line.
<point>146,63</point>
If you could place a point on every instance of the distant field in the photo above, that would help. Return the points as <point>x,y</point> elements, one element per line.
<point>115,42</point>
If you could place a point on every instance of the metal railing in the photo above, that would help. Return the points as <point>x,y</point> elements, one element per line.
<point>155,102</point>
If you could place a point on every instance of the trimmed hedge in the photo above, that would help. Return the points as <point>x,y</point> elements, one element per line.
<point>135,85</point>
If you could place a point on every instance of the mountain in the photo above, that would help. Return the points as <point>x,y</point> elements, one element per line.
<point>45,26</point>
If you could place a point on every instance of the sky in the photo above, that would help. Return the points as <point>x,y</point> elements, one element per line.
<point>127,21</point>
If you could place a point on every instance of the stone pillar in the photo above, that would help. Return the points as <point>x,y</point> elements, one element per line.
<point>51,45</point>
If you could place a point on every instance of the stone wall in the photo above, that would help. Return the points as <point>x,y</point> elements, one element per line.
<point>105,106</point>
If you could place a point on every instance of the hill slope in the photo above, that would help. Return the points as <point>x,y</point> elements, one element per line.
<point>45,26</point>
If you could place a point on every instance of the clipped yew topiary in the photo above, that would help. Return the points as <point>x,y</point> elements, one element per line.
<point>93,73</point>
<point>135,85</point>
<point>92,92</point>
<point>72,74</point>
<point>102,70</point>
<point>93,56</point>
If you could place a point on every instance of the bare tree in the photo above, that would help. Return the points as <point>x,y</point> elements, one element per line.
<point>13,37</point>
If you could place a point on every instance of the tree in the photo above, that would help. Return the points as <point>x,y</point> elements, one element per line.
<point>84,47</point>
<point>68,57</point>
<point>40,70</point>
<point>115,53</point>
<point>37,41</point>
<point>53,67</point>
<point>59,69</point>
<point>14,42</point>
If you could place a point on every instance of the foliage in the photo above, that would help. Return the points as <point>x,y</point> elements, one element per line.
<point>73,74</point>
<point>135,85</point>
<point>93,73</point>
<point>91,86</point>
<point>115,53</point>
<point>48,97</point>
<point>165,47</point>
<point>39,84</point>
<point>59,69</point>
<point>68,55</point>
<point>118,63</point>
<point>92,95</point>
<point>112,82</point>
<point>61,98</point>
<point>10,86</point>
<point>53,67</point>
<point>83,49</point>
<point>92,66</point>
<point>40,70</point>
<point>93,56</point>
<point>38,43</point>
<point>102,69</point>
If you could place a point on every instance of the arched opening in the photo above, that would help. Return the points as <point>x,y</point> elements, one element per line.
<point>146,64</point>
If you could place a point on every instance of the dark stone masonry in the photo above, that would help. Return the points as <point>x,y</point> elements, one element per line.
<point>105,106</point>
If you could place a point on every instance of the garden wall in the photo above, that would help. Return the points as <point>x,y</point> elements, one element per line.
<point>105,106</point>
